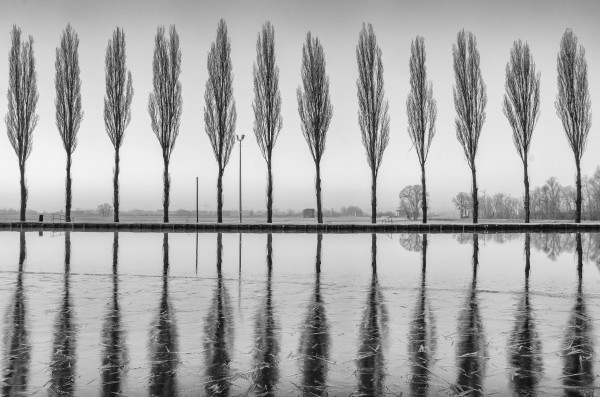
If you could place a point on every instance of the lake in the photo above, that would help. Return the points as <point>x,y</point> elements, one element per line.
<point>299,314</point>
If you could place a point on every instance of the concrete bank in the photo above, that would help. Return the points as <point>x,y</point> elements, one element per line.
<point>305,228</point>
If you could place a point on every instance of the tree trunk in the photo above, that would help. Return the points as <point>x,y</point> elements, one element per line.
<point>373,197</point>
<point>526,181</point>
<point>474,195</point>
<point>578,199</point>
<point>116,187</point>
<point>167,190</point>
<point>318,189</point>
<point>23,193</point>
<point>68,192</point>
<point>220,196</point>
<point>269,193</point>
<point>424,191</point>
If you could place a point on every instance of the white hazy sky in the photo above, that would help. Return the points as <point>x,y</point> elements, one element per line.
<point>345,173</point>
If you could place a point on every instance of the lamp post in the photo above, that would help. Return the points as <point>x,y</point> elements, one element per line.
<point>240,139</point>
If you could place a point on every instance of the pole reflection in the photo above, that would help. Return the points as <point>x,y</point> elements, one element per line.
<point>218,335</point>
<point>63,359</point>
<point>422,338</point>
<point>163,343</point>
<point>471,347</point>
<point>267,337</point>
<point>114,348</point>
<point>578,346</point>
<point>524,344</point>
<point>315,338</point>
<point>17,349</point>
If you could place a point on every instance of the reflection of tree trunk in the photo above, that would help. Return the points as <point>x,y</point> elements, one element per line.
<point>524,345</point>
<point>578,350</point>
<point>266,357</point>
<point>163,343</point>
<point>315,339</point>
<point>422,336</point>
<point>370,363</point>
<point>114,358</point>
<point>15,365</point>
<point>62,361</point>
<point>218,334</point>
<point>471,349</point>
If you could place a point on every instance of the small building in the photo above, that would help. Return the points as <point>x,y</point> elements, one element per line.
<point>308,213</point>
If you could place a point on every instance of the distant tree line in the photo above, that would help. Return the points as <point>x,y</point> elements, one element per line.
<point>521,106</point>
<point>549,201</point>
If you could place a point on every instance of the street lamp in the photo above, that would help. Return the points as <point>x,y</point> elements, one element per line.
<point>240,139</point>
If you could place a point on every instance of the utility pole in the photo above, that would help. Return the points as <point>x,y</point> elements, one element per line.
<point>240,139</point>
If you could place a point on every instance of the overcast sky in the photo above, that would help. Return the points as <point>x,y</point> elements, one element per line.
<point>345,172</point>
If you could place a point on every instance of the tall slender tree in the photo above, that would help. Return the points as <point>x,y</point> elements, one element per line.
<point>68,100</point>
<point>421,110</point>
<point>267,103</point>
<point>314,106</point>
<point>522,104</point>
<point>165,102</point>
<point>117,102</point>
<point>22,96</point>
<point>373,115</point>
<point>470,99</point>
<point>573,103</point>
<point>219,112</point>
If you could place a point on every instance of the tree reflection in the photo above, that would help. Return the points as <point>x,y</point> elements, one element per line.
<point>163,341</point>
<point>471,348</point>
<point>524,344</point>
<point>412,242</point>
<point>315,339</point>
<point>63,360</point>
<point>114,349</point>
<point>218,334</point>
<point>17,353</point>
<point>553,244</point>
<point>422,337</point>
<point>373,331</point>
<point>578,348</point>
<point>266,335</point>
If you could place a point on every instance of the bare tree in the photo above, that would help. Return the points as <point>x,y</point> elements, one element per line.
<point>68,100</point>
<point>463,203</point>
<point>421,110</point>
<point>165,101</point>
<point>22,96</point>
<point>522,104</point>
<point>573,103</point>
<point>314,106</point>
<point>117,102</point>
<point>219,112</point>
<point>372,106</point>
<point>470,99</point>
<point>267,103</point>
<point>411,198</point>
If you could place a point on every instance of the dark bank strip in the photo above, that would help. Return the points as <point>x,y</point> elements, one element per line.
<point>305,228</point>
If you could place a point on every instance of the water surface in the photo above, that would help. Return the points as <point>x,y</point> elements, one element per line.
<point>299,314</point>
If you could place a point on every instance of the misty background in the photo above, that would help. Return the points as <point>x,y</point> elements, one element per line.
<point>345,173</point>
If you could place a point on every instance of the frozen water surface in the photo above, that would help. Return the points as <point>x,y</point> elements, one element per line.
<point>299,314</point>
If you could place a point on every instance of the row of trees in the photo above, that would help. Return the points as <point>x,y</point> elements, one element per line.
<point>521,104</point>
<point>549,201</point>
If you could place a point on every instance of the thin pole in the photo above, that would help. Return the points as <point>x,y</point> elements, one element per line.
<point>240,181</point>
<point>196,199</point>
